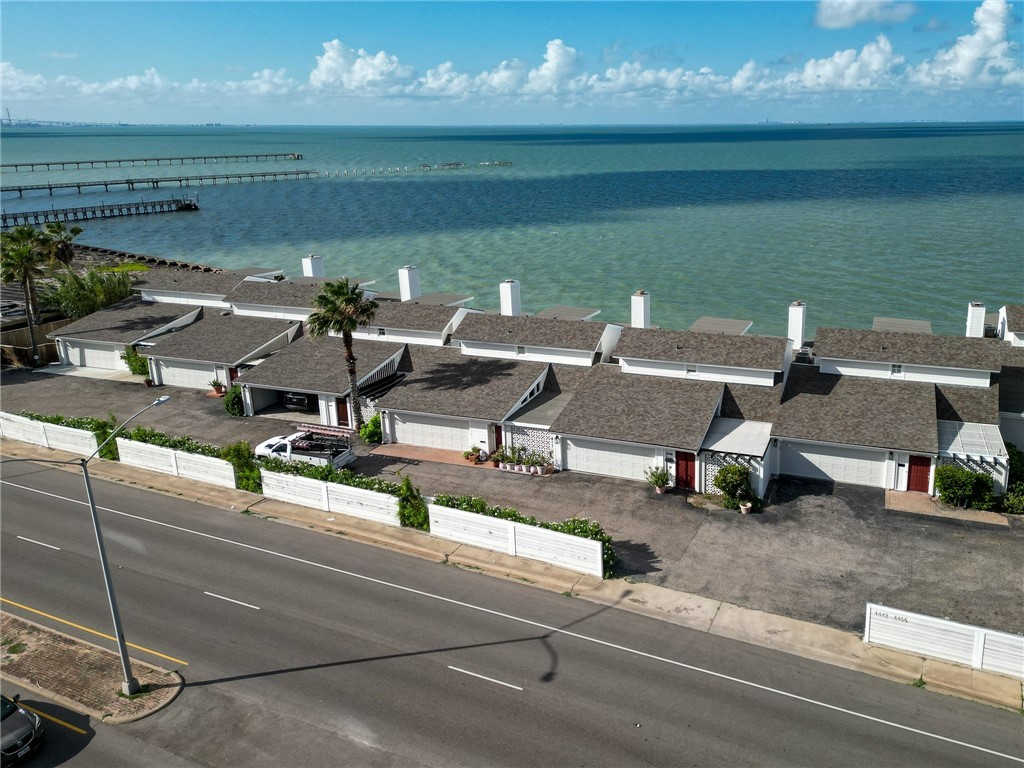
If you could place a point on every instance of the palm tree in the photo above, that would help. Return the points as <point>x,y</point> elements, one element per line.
<point>57,240</point>
<point>21,261</point>
<point>341,307</point>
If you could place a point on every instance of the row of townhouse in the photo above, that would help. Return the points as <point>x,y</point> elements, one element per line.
<point>880,408</point>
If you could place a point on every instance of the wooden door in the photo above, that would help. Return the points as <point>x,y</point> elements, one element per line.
<point>497,436</point>
<point>919,474</point>
<point>343,418</point>
<point>686,470</point>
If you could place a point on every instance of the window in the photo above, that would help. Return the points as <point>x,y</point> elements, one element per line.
<point>897,369</point>
<point>520,350</point>
<point>382,332</point>
<point>691,369</point>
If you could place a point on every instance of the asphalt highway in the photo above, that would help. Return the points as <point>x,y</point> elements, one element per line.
<point>300,648</point>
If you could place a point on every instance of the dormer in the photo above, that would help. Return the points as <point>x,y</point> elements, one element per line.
<point>735,359</point>
<point>535,339</point>
<point>956,360</point>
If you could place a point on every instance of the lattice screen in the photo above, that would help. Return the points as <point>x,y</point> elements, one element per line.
<point>715,461</point>
<point>531,439</point>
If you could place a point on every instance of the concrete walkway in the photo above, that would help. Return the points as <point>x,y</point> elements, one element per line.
<point>805,639</point>
<point>923,504</point>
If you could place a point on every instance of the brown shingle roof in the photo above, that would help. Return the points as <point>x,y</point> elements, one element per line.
<point>532,331</point>
<point>909,348</point>
<point>410,316</point>
<point>124,322</point>
<point>318,364</point>
<point>216,338</point>
<point>849,410</point>
<point>758,352</point>
<point>277,293</point>
<point>447,383</point>
<point>213,283</point>
<point>1015,318</point>
<point>750,402</point>
<point>971,404</point>
<point>653,410</point>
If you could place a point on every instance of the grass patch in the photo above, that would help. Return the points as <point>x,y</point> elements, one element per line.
<point>11,647</point>
<point>919,683</point>
<point>143,690</point>
<point>569,593</point>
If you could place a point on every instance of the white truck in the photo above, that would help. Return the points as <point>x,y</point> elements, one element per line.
<point>310,447</point>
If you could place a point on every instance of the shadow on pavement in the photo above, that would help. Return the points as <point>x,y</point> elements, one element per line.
<point>61,742</point>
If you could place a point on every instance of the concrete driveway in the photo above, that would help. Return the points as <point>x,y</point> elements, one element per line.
<point>815,553</point>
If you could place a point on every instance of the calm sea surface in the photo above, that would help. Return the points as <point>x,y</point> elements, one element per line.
<point>909,221</point>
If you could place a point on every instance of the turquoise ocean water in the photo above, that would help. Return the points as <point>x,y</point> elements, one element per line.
<point>909,221</point>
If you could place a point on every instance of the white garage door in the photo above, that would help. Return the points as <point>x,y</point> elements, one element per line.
<point>178,374</point>
<point>96,355</point>
<point>611,459</point>
<point>857,466</point>
<point>432,432</point>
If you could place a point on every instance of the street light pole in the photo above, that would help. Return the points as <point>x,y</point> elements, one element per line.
<point>130,684</point>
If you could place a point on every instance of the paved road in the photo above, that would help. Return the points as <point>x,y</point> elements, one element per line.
<point>306,649</point>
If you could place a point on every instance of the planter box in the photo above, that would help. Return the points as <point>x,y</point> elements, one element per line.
<point>547,469</point>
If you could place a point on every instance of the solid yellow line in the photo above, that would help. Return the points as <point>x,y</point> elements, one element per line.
<point>91,631</point>
<point>58,721</point>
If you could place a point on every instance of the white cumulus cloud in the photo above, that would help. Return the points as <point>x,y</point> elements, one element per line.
<point>849,70</point>
<point>843,14</point>
<point>352,70</point>
<point>561,64</point>
<point>983,57</point>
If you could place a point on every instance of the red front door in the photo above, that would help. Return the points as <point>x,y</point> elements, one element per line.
<point>919,474</point>
<point>497,436</point>
<point>686,470</point>
<point>343,420</point>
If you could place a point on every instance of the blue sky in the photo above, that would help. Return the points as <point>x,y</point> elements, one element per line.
<point>436,63</point>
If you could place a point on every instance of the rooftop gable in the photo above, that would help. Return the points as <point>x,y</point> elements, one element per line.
<point>318,364</point>
<point>125,322</point>
<point>848,410</point>
<point>413,316</point>
<point>216,338</point>
<point>530,331</point>
<point>766,353</point>
<point>446,383</point>
<point>909,349</point>
<point>652,410</point>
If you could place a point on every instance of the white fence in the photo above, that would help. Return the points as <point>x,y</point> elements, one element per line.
<point>80,441</point>
<point>942,639</point>
<point>331,497</point>
<point>574,553</point>
<point>192,466</point>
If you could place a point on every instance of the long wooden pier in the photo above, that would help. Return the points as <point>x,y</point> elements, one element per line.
<point>156,182</point>
<point>63,165</point>
<point>85,213</point>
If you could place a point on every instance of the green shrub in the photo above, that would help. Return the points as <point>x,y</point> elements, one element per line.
<point>574,526</point>
<point>734,483</point>
<point>136,363</point>
<point>233,402</point>
<point>182,443</point>
<point>1013,501</point>
<point>247,470</point>
<point>412,508</point>
<point>371,432</point>
<point>960,487</point>
<point>658,477</point>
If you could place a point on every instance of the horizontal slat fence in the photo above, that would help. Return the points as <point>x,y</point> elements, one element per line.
<point>562,549</point>
<point>331,497</point>
<point>80,441</point>
<point>942,639</point>
<point>205,469</point>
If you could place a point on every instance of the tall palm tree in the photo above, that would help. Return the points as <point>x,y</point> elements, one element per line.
<point>341,307</point>
<point>21,261</point>
<point>57,241</point>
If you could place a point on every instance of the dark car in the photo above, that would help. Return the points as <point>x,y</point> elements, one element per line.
<point>22,731</point>
<point>298,401</point>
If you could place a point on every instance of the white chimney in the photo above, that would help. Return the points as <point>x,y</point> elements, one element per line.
<point>313,266</point>
<point>797,317</point>
<point>409,283</point>
<point>640,309</point>
<point>509,294</point>
<point>975,320</point>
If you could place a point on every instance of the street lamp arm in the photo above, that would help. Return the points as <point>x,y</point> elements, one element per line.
<point>159,401</point>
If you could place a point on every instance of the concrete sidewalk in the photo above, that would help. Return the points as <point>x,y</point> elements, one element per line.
<point>805,639</point>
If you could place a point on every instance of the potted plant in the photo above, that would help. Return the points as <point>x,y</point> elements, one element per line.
<point>658,478</point>
<point>496,457</point>
<point>217,385</point>
<point>147,382</point>
<point>471,454</point>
